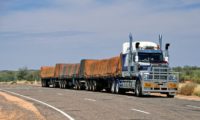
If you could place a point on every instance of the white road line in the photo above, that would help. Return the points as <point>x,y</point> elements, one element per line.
<point>58,110</point>
<point>192,106</point>
<point>89,99</point>
<point>140,111</point>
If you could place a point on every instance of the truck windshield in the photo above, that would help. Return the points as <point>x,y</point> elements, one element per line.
<point>150,57</point>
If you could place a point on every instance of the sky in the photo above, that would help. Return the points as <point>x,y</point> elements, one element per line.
<point>34,33</point>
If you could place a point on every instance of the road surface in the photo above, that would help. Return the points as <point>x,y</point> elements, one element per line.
<point>85,105</point>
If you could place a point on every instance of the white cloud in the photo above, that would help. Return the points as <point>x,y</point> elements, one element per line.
<point>109,25</point>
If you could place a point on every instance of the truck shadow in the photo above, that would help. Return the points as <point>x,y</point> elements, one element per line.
<point>131,94</point>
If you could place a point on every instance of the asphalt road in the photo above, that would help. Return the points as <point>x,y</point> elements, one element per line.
<point>85,105</point>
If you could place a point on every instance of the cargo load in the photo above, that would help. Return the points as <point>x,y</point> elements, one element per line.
<point>63,71</point>
<point>47,72</point>
<point>100,68</point>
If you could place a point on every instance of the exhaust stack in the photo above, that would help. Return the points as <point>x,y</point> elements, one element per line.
<point>130,53</point>
<point>160,41</point>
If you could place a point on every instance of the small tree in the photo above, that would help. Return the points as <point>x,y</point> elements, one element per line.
<point>22,73</point>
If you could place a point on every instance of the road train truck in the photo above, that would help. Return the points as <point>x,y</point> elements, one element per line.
<point>142,67</point>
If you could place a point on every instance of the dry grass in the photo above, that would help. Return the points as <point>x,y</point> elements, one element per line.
<point>22,82</point>
<point>187,88</point>
<point>197,91</point>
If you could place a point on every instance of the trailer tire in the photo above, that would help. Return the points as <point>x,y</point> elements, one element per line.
<point>87,86</point>
<point>60,84</point>
<point>54,84</point>
<point>117,89</point>
<point>170,96</point>
<point>94,85</point>
<point>113,87</point>
<point>138,89</point>
<point>42,82</point>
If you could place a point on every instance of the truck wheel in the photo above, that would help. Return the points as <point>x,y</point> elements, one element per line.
<point>117,89</point>
<point>54,84</point>
<point>45,83</point>
<point>42,82</point>
<point>78,85</point>
<point>113,87</point>
<point>170,96</point>
<point>138,89</point>
<point>94,85</point>
<point>64,84</point>
<point>60,84</point>
<point>87,86</point>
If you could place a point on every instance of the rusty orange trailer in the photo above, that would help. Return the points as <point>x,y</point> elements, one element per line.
<point>46,74</point>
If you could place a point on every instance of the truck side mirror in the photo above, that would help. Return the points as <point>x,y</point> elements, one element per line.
<point>167,46</point>
<point>137,45</point>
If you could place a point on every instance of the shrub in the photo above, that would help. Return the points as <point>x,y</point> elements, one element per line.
<point>197,91</point>
<point>188,89</point>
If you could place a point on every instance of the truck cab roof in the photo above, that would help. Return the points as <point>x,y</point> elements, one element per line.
<point>144,45</point>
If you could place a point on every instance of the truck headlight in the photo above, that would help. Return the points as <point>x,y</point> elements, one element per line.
<point>145,77</point>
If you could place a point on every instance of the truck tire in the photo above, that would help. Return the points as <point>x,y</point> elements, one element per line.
<point>42,82</point>
<point>117,89</point>
<point>94,85</point>
<point>113,87</point>
<point>138,89</point>
<point>54,84</point>
<point>77,85</point>
<point>45,83</point>
<point>170,96</point>
<point>87,86</point>
<point>60,84</point>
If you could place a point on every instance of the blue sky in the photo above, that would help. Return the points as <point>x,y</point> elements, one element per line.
<point>44,32</point>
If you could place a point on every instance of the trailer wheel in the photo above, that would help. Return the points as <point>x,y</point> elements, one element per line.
<point>54,84</point>
<point>113,87</point>
<point>42,83</point>
<point>87,86</point>
<point>78,85</point>
<point>64,84</point>
<point>117,89</point>
<point>169,95</point>
<point>138,89</point>
<point>60,84</point>
<point>94,85</point>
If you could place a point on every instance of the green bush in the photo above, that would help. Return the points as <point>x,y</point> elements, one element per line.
<point>22,74</point>
<point>188,73</point>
